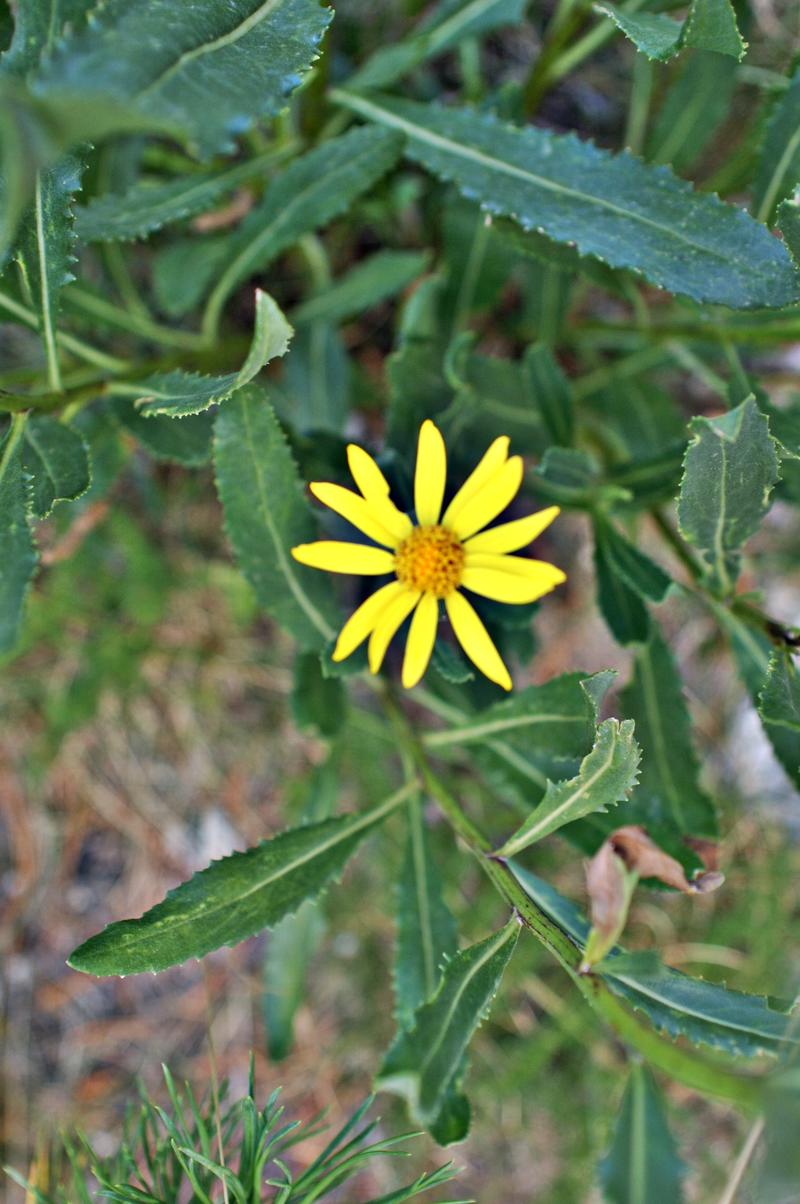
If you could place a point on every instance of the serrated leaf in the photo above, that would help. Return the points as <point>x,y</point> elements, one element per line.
<point>703,1012</point>
<point>266,514</point>
<point>292,944</point>
<point>450,22</point>
<point>187,442</point>
<point>623,211</point>
<point>426,934</point>
<point>44,249</point>
<point>568,476</point>
<point>655,34</point>
<point>695,106</point>
<point>184,272</point>
<point>789,225</point>
<point>779,708</point>
<point>778,170</point>
<point>368,283</point>
<point>417,385</point>
<point>729,470</point>
<point>149,206</point>
<point>209,69</point>
<point>491,394</point>
<point>55,456</point>
<point>669,795</point>
<point>625,578</point>
<point>38,25</point>
<point>178,394</point>
<point>17,550</point>
<point>306,196</point>
<point>711,25</point>
<point>552,393</point>
<point>423,1061</point>
<point>642,1164</point>
<point>318,702</point>
<point>607,776</point>
<point>233,898</point>
<point>315,391</point>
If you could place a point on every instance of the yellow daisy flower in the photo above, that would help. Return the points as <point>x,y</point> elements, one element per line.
<point>435,558</point>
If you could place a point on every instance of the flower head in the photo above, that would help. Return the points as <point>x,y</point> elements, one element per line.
<point>434,558</point>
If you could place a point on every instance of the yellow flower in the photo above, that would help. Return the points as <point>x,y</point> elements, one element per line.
<point>434,559</point>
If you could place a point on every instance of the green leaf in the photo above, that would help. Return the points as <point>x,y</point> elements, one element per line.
<point>669,795</point>
<point>292,944</point>
<point>424,1060</point>
<point>570,478</point>
<point>314,189</point>
<point>368,283</point>
<point>779,708</point>
<point>184,271</point>
<point>417,385</point>
<point>623,211</point>
<point>552,393</point>
<point>38,25</point>
<point>149,206</point>
<point>426,934</point>
<point>178,394</point>
<point>233,898</point>
<point>17,549</point>
<point>44,250</point>
<point>187,442</point>
<point>318,702</point>
<point>491,394</point>
<point>711,25</point>
<point>55,456</point>
<point>315,390</point>
<point>266,514</point>
<point>451,22</point>
<point>695,106</point>
<point>655,34</point>
<point>730,468</point>
<point>703,1012</point>
<point>607,776</point>
<point>778,170</point>
<point>625,578</point>
<point>789,226</point>
<point>209,69</point>
<point>642,1164</point>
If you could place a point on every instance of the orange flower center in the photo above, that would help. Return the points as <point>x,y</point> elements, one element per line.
<point>430,559</point>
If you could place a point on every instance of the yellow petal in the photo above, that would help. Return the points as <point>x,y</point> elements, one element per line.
<point>375,488</point>
<point>493,459</point>
<point>492,497</point>
<point>366,473</point>
<point>510,537</point>
<point>363,621</point>
<point>338,557</point>
<point>513,587</point>
<point>354,508</point>
<point>518,566</point>
<point>475,639</point>
<point>430,476</point>
<point>421,638</point>
<point>387,625</point>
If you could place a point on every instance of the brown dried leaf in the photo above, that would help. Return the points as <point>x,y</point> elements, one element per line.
<point>610,886</point>
<point>643,857</point>
<point>227,215</point>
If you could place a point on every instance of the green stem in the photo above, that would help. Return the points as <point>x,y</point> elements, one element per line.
<point>133,323</point>
<point>67,341</point>
<point>15,432</point>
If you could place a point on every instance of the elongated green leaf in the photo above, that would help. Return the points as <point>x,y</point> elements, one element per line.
<point>491,394</point>
<point>55,456</point>
<point>779,708</point>
<point>148,207</point>
<point>703,1012</point>
<point>292,944</point>
<point>669,795</point>
<point>319,702</point>
<point>17,549</point>
<point>711,25</point>
<point>178,394</point>
<point>266,514</point>
<point>778,169</point>
<point>426,935</point>
<point>184,272</point>
<point>655,34</point>
<point>369,282</point>
<point>315,390</point>
<point>626,213</point>
<point>233,898</point>
<point>789,224</point>
<point>210,69</point>
<point>38,24</point>
<point>423,1061</point>
<point>417,385</point>
<point>44,250</point>
<point>186,442</point>
<point>551,392</point>
<point>625,577</point>
<point>450,22</point>
<point>607,776</point>
<point>642,1164</point>
<point>314,189</point>
<point>695,107</point>
<point>730,468</point>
